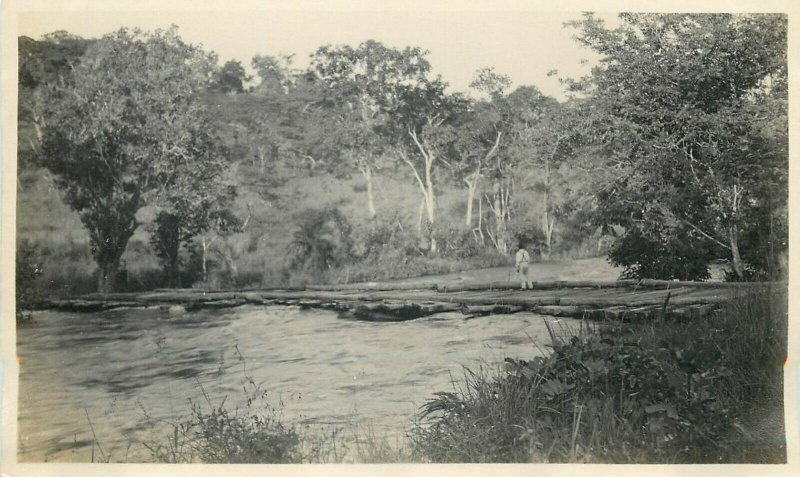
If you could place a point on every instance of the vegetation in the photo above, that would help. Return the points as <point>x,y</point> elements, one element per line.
<point>257,434</point>
<point>125,129</point>
<point>684,162</point>
<point>28,269</point>
<point>658,392</point>
<point>692,116</point>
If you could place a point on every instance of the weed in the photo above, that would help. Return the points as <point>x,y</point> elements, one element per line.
<point>661,392</point>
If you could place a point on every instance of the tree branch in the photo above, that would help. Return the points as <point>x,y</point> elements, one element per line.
<point>413,169</point>
<point>696,228</point>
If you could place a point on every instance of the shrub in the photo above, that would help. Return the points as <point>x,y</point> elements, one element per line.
<point>457,242</point>
<point>661,392</point>
<point>28,270</point>
<point>215,434</point>
<point>323,241</point>
<point>676,256</point>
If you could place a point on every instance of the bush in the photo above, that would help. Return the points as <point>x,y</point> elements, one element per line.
<point>662,392</point>
<point>214,434</point>
<point>384,237</point>
<point>323,241</point>
<point>457,242</point>
<point>676,256</point>
<point>28,270</point>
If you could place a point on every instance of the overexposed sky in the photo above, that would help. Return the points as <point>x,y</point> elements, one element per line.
<point>522,44</point>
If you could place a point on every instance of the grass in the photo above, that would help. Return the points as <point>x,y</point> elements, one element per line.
<point>661,392</point>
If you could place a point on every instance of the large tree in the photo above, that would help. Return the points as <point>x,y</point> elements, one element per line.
<point>363,85</point>
<point>425,129</point>
<point>480,133</point>
<point>123,129</point>
<point>545,136</point>
<point>691,109</point>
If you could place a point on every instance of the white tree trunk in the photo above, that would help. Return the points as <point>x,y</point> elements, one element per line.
<point>738,265</point>
<point>425,184</point>
<point>472,186</point>
<point>366,171</point>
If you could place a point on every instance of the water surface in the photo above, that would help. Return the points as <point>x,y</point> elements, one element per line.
<point>130,372</point>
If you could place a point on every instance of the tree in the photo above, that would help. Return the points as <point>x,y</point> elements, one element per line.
<point>480,134</point>
<point>547,144</point>
<point>323,241</point>
<point>124,129</point>
<point>42,63</point>
<point>692,112</point>
<point>191,207</point>
<point>275,72</point>
<point>519,111</point>
<point>363,85</point>
<point>231,77</point>
<point>425,129</point>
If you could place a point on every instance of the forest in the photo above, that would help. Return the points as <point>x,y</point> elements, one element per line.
<point>144,163</point>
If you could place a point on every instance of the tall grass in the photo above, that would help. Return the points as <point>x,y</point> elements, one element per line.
<point>662,392</point>
<point>214,433</point>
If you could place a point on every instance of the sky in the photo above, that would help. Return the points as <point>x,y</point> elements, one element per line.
<point>522,44</point>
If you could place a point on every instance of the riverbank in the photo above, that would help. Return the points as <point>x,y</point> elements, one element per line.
<point>696,391</point>
<point>665,391</point>
<point>624,300</point>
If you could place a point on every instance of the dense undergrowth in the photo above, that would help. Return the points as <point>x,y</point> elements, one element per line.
<point>660,392</point>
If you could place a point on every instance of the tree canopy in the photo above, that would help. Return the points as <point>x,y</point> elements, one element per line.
<point>691,112</point>
<point>127,129</point>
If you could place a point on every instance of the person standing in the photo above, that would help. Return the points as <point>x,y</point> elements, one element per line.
<point>522,260</point>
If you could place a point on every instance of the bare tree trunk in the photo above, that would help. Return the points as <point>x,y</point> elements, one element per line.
<point>205,244</point>
<point>548,236</point>
<point>738,265</point>
<point>109,248</point>
<point>426,184</point>
<point>419,216</point>
<point>499,204</point>
<point>472,182</point>
<point>736,198</point>
<point>366,171</point>
<point>472,185</point>
<point>547,225</point>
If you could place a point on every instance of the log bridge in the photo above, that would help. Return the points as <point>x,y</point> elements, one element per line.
<point>624,300</point>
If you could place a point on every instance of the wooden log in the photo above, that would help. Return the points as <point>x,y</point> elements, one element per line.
<point>560,310</point>
<point>493,309</point>
<point>214,304</point>
<point>373,286</point>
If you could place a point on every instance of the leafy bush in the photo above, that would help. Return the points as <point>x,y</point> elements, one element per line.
<point>215,434</point>
<point>28,270</point>
<point>383,237</point>
<point>323,241</point>
<point>457,242</point>
<point>662,392</point>
<point>676,256</point>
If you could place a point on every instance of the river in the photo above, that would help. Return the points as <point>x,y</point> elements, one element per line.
<point>119,376</point>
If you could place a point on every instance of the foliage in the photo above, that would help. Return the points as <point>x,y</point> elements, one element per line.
<point>28,270</point>
<point>255,434</point>
<point>126,127</point>
<point>275,73</point>
<point>672,254</point>
<point>689,112</point>
<point>41,63</point>
<point>362,86</point>
<point>230,78</point>
<point>322,242</point>
<point>658,392</point>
